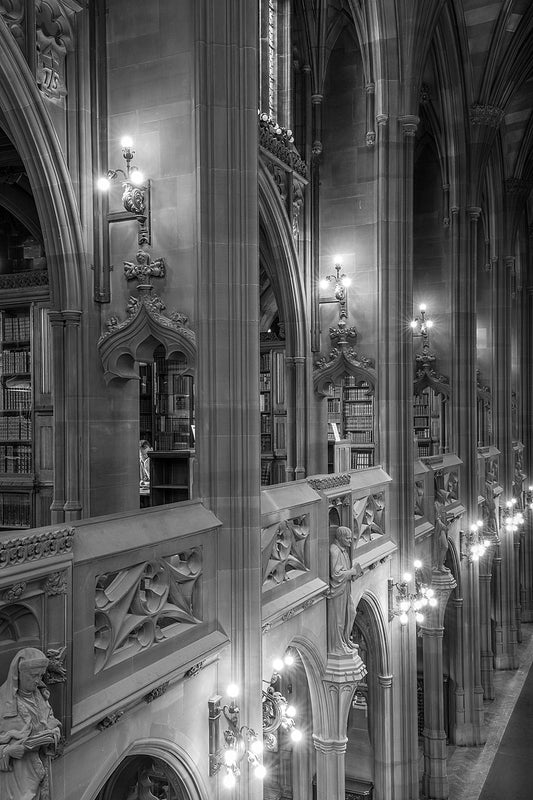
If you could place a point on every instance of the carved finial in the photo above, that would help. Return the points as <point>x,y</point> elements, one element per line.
<point>144,269</point>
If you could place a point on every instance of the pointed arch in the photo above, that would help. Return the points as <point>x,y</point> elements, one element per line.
<point>32,133</point>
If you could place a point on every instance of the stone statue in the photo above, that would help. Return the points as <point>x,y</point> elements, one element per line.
<point>341,608</point>
<point>29,732</point>
<point>441,542</point>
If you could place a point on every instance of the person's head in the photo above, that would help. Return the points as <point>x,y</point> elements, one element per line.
<point>144,446</point>
<point>344,535</point>
<point>32,667</point>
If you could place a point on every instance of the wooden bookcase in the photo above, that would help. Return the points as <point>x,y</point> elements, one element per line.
<point>170,476</point>
<point>273,411</point>
<point>26,417</point>
<point>351,414</point>
<point>166,421</point>
<point>429,422</point>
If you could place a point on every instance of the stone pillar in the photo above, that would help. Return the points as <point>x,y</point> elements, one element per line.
<point>435,777</point>
<point>485,630</point>
<point>301,417</point>
<point>227,311</point>
<point>505,656</point>
<point>383,782</point>
<point>68,464</point>
<point>343,673</point>
<point>517,542</point>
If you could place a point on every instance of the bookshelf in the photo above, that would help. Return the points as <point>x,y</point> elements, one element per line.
<point>273,412</point>
<point>351,417</point>
<point>166,421</point>
<point>16,419</point>
<point>428,422</point>
<point>170,476</point>
<point>166,403</point>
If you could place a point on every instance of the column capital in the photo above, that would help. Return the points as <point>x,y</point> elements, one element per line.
<point>409,123</point>
<point>474,212</point>
<point>385,681</point>
<point>316,99</point>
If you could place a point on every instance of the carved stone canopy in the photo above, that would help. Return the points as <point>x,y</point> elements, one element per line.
<point>125,343</point>
<point>340,361</point>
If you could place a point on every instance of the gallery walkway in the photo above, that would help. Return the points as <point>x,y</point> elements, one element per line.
<point>503,768</point>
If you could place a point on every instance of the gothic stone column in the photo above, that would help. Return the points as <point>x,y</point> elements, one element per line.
<point>435,777</point>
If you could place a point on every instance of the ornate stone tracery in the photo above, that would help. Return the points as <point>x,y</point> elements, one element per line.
<point>285,551</point>
<point>138,607</point>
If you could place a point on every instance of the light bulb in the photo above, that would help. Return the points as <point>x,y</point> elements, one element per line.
<point>324,283</point>
<point>433,602</point>
<point>419,617</point>
<point>404,619</point>
<point>232,690</point>
<point>346,281</point>
<point>136,177</point>
<point>296,735</point>
<point>404,605</point>
<point>256,746</point>
<point>290,711</point>
<point>413,323</point>
<point>260,772</point>
<point>277,664</point>
<point>229,780</point>
<point>422,306</point>
<point>288,659</point>
<point>429,323</point>
<point>429,592</point>
<point>126,142</point>
<point>337,260</point>
<point>417,564</point>
<point>230,756</point>
<point>407,576</point>
<point>103,184</point>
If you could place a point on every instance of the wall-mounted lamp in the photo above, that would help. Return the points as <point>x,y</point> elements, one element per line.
<point>240,741</point>
<point>404,600</point>
<point>473,543</point>
<point>136,191</point>
<point>341,334</point>
<point>513,518</point>
<point>277,711</point>
<point>421,324</point>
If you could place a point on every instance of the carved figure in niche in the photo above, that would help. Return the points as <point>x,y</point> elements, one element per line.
<point>29,732</point>
<point>440,538</point>
<point>491,522</point>
<point>519,482</point>
<point>419,498</point>
<point>341,607</point>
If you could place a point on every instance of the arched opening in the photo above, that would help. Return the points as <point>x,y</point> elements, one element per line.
<point>143,777</point>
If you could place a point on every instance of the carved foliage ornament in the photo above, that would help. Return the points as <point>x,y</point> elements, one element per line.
<point>32,548</point>
<point>284,551</point>
<point>151,602</point>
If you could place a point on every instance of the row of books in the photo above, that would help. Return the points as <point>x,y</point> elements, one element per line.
<point>15,510</point>
<point>264,403</point>
<point>16,327</point>
<point>265,362</point>
<point>12,427</point>
<point>334,405</point>
<point>15,458</point>
<point>421,408</point>
<point>358,422</point>
<point>172,441</point>
<point>360,437</point>
<point>266,423</point>
<point>356,394</point>
<point>358,409</point>
<point>18,361</point>
<point>15,399</point>
<point>264,382</point>
<point>361,460</point>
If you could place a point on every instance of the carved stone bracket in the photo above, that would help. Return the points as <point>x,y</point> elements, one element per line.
<point>124,343</point>
<point>338,362</point>
<point>427,376</point>
<point>159,691</point>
